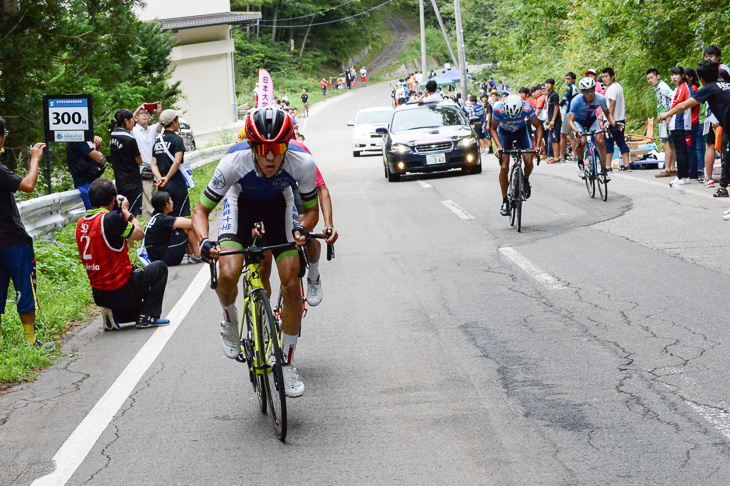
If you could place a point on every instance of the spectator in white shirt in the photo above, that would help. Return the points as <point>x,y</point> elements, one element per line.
<point>430,95</point>
<point>617,108</point>
<point>145,135</point>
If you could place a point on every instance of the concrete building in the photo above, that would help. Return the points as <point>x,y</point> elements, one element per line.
<point>203,59</point>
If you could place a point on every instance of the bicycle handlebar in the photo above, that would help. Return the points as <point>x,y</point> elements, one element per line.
<point>259,250</point>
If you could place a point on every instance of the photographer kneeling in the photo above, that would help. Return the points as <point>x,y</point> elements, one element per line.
<point>133,295</point>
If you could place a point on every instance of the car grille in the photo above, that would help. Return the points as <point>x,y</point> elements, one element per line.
<point>434,147</point>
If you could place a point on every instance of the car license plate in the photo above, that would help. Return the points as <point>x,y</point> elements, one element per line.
<point>435,159</point>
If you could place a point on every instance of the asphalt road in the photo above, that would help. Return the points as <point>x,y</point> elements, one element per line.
<point>590,349</point>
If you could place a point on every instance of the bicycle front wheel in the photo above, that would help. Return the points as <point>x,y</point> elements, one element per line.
<point>513,192</point>
<point>590,174</point>
<point>271,359</point>
<point>518,207</point>
<point>247,335</point>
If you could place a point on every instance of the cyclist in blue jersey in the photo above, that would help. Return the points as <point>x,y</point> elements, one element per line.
<point>255,180</point>
<point>583,118</point>
<point>509,125</point>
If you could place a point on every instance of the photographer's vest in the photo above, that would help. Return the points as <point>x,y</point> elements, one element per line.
<point>107,268</point>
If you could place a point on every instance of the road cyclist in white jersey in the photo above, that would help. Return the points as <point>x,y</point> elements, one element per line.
<point>583,118</point>
<point>254,180</point>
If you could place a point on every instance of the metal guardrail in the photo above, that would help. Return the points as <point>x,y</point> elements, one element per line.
<point>47,214</point>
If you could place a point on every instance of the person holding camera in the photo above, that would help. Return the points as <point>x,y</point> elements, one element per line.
<point>17,259</point>
<point>145,135</point>
<point>126,160</point>
<point>133,295</point>
<point>86,164</point>
<point>167,161</point>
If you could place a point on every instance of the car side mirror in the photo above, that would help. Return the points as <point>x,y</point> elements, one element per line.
<point>381,130</point>
<point>350,123</point>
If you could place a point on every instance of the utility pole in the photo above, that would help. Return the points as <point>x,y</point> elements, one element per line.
<point>423,43</point>
<point>443,30</point>
<point>460,49</point>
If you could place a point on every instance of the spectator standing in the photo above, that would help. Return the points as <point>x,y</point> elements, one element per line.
<point>166,237</point>
<point>485,125</point>
<point>323,85</point>
<point>554,119</point>
<point>712,53</point>
<point>664,96</point>
<point>102,236</point>
<point>400,94</point>
<point>284,98</point>
<point>680,126</point>
<point>126,160</point>
<point>542,113</point>
<point>617,108</point>
<point>145,135</point>
<point>305,103</point>
<point>717,95</point>
<point>86,164</point>
<point>17,258</point>
<point>571,91</point>
<point>492,84</point>
<point>476,113</point>
<point>697,151</point>
<point>167,158</point>
<point>364,76</point>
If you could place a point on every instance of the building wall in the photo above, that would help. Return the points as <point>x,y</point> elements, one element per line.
<point>172,9</point>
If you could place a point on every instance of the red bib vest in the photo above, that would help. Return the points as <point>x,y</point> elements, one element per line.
<point>108,269</point>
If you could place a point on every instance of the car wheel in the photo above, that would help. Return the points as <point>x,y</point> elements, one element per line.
<point>355,154</point>
<point>391,177</point>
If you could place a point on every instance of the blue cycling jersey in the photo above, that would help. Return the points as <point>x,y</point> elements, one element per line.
<point>585,111</point>
<point>513,124</point>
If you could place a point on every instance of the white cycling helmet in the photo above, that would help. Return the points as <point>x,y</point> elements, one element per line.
<point>586,83</point>
<point>513,106</point>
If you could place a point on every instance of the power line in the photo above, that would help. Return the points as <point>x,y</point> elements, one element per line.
<point>317,13</point>
<point>325,23</point>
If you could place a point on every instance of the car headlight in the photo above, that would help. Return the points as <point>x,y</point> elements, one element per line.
<point>465,142</point>
<point>401,148</point>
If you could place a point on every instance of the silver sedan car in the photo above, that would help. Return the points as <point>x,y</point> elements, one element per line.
<point>364,137</point>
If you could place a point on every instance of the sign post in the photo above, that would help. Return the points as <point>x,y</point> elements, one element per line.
<point>66,118</point>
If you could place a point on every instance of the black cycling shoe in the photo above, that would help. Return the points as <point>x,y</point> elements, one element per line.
<point>504,211</point>
<point>527,191</point>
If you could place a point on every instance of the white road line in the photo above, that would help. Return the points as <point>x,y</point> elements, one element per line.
<point>518,259</point>
<point>73,452</point>
<point>424,184</point>
<point>457,210</point>
<point>719,418</point>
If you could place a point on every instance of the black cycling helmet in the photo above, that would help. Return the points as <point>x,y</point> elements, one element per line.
<point>269,125</point>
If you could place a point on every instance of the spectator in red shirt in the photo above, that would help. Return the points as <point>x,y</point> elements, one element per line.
<point>102,235</point>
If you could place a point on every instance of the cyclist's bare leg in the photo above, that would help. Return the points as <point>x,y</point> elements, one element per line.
<point>504,174</point>
<point>314,251</point>
<point>579,144</point>
<point>291,318</point>
<point>229,272</point>
<point>527,159</point>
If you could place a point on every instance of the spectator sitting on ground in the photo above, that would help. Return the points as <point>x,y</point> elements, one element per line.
<point>165,237</point>
<point>17,259</point>
<point>430,95</point>
<point>133,295</point>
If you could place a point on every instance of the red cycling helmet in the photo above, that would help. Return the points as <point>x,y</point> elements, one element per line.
<point>269,125</point>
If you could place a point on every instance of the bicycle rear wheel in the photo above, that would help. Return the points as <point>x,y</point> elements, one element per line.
<point>590,174</point>
<point>271,360</point>
<point>601,177</point>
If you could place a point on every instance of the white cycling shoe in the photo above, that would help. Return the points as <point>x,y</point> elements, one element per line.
<point>293,386</point>
<point>314,291</point>
<point>229,339</point>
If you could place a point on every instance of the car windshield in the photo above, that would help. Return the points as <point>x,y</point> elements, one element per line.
<point>374,117</point>
<point>427,117</point>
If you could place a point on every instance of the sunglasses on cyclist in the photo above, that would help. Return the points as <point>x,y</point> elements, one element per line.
<point>263,148</point>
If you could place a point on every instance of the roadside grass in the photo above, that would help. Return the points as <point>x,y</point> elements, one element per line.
<point>65,300</point>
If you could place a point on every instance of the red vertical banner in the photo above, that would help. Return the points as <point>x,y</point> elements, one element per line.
<point>266,89</point>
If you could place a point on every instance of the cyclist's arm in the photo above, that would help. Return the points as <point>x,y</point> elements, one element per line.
<point>493,125</point>
<point>325,202</point>
<point>536,123</point>
<point>200,220</point>
<point>182,223</point>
